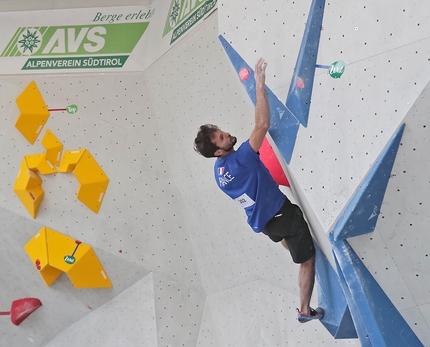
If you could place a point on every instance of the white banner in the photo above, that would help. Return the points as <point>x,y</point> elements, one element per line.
<point>95,39</point>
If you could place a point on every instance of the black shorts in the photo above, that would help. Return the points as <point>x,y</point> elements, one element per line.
<point>288,223</point>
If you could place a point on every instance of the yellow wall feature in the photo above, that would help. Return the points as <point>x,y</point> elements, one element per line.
<point>70,160</point>
<point>53,148</point>
<point>33,112</point>
<point>28,184</point>
<point>93,181</point>
<point>38,162</point>
<point>53,253</point>
<point>28,188</point>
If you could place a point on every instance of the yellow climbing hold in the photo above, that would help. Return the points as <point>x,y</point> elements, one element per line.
<point>33,112</point>
<point>53,253</point>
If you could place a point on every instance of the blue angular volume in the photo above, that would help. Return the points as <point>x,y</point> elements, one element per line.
<point>377,321</point>
<point>283,126</point>
<point>337,318</point>
<point>300,92</point>
<point>361,213</point>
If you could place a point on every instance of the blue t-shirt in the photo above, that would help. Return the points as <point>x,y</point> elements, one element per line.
<point>243,177</point>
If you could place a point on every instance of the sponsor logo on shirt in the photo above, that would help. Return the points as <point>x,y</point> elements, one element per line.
<point>224,178</point>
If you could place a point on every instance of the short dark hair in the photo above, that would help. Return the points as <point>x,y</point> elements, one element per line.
<point>203,144</point>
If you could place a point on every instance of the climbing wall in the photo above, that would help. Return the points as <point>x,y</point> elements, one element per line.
<point>354,118</point>
<point>185,268</point>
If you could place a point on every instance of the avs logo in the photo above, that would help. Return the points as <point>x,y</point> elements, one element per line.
<point>75,39</point>
<point>62,40</point>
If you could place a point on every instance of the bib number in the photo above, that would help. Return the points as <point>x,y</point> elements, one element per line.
<point>244,200</point>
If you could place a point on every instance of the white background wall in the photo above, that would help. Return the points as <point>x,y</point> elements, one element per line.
<point>186,269</point>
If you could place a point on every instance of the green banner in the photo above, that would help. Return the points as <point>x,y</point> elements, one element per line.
<point>75,40</point>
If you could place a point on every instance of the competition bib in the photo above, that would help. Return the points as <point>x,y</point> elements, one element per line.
<point>244,200</point>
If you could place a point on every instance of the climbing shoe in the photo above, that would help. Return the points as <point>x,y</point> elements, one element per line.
<point>316,314</point>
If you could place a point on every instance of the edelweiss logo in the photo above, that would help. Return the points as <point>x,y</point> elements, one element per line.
<point>174,14</point>
<point>28,42</point>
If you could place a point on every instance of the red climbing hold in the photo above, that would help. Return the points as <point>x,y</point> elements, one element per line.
<point>269,159</point>
<point>21,309</point>
<point>300,84</point>
<point>243,74</point>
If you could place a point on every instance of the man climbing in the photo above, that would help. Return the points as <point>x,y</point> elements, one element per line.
<point>242,176</point>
